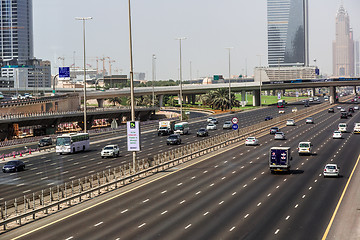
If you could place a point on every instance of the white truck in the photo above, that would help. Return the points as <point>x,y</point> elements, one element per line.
<point>279,159</point>
<point>182,128</point>
<point>166,127</point>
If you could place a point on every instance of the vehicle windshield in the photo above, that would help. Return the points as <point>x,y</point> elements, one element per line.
<point>173,137</point>
<point>342,125</point>
<point>11,163</point>
<point>109,148</point>
<point>202,129</point>
<point>179,127</point>
<point>164,128</point>
<point>63,141</point>
<point>250,138</point>
<point>227,123</point>
<point>330,167</point>
<point>304,145</point>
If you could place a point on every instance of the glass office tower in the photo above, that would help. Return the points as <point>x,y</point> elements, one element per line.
<point>16,31</point>
<point>287,33</point>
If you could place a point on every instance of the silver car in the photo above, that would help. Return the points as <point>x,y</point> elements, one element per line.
<point>110,151</point>
<point>227,125</point>
<point>331,170</point>
<point>279,136</point>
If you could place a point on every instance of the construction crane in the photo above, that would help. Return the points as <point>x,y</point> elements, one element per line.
<point>63,60</point>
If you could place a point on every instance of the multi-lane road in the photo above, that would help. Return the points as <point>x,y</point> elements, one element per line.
<point>229,194</point>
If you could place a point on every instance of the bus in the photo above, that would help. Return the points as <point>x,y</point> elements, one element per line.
<point>281,104</point>
<point>182,128</point>
<point>73,142</point>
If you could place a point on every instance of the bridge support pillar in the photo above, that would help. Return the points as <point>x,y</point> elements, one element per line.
<point>243,95</point>
<point>180,99</point>
<point>161,100</point>
<point>355,91</point>
<point>100,103</point>
<point>193,99</point>
<point>332,93</point>
<point>256,97</point>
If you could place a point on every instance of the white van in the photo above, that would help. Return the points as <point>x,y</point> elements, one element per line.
<point>342,127</point>
<point>304,148</point>
<point>357,128</point>
<point>182,128</point>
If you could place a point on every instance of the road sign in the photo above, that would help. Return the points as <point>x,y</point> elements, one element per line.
<point>234,120</point>
<point>279,95</point>
<point>235,126</point>
<point>64,73</point>
<point>133,136</point>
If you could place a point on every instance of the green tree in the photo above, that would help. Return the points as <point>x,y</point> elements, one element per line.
<point>115,100</point>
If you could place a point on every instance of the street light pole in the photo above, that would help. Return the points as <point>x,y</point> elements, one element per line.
<point>153,78</point>
<point>181,96</point>
<point>131,81</point>
<point>260,77</point>
<point>229,48</point>
<point>83,19</point>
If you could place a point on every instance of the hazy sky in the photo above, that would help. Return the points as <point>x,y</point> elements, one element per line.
<point>209,25</point>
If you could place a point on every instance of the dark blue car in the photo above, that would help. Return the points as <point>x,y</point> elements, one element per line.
<point>14,166</point>
<point>268,118</point>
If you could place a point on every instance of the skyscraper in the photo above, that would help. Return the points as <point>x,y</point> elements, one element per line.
<point>288,33</point>
<point>343,46</point>
<point>357,59</point>
<point>16,31</point>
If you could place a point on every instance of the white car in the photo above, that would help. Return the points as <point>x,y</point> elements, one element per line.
<point>110,151</point>
<point>281,110</point>
<point>342,110</point>
<point>337,134</point>
<point>356,108</point>
<point>305,148</point>
<point>294,109</point>
<point>309,120</point>
<point>290,122</point>
<point>210,119</point>
<point>331,170</point>
<point>14,98</point>
<point>211,126</point>
<point>251,141</point>
<point>279,136</point>
<point>227,125</point>
<point>338,107</point>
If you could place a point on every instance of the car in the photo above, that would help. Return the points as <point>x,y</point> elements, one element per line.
<point>211,126</point>
<point>331,170</point>
<point>46,141</point>
<point>281,110</point>
<point>110,151</point>
<point>331,110</point>
<point>337,135</point>
<point>351,110</point>
<point>214,121</point>
<point>290,122</point>
<point>202,132</point>
<point>349,114</point>
<point>356,108</point>
<point>294,109</point>
<point>339,107</point>
<point>309,120</point>
<point>326,98</point>
<point>311,99</point>
<point>304,148</point>
<point>306,104</point>
<point>343,115</point>
<point>227,125</point>
<point>14,97</point>
<point>317,99</point>
<point>274,130</point>
<point>173,139</point>
<point>209,119</point>
<point>268,118</point>
<point>342,127</point>
<point>13,166</point>
<point>342,110</point>
<point>279,136</point>
<point>251,141</point>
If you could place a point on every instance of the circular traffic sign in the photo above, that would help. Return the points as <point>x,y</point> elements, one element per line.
<point>234,120</point>
<point>235,126</point>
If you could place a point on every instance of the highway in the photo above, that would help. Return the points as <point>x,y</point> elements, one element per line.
<point>229,194</point>
<point>48,169</point>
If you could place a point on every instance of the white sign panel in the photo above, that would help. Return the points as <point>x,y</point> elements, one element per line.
<point>279,95</point>
<point>133,136</point>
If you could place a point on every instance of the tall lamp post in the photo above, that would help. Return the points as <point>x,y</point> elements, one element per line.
<point>229,48</point>
<point>153,78</point>
<point>83,19</point>
<point>181,96</point>
<point>260,76</point>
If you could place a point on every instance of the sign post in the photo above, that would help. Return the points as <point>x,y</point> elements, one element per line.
<point>133,136</point>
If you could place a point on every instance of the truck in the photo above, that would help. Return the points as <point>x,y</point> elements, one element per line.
<point>279,159</point>
<point>166,127</point>
<point>182,128</point>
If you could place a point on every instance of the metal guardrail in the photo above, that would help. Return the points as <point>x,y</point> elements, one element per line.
<point>39,204</point>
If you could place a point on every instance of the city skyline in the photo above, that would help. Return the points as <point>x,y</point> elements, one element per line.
<point>209,30</point>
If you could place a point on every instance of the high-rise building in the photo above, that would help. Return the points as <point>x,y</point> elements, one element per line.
<point>16,31</point>
<point>287,33</point>
<point>357,59</point>
<point>343,46</point>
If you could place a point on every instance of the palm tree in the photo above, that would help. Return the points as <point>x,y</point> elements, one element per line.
<point>219,99</point>
<point>115,100</point>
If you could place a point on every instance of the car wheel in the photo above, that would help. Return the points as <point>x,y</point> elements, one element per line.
<point>167,143</point>
<point>117,154</point>
<point>102,156</point>
<point>114,155</point>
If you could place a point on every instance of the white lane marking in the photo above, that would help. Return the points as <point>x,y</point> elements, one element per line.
<point>269,195</point>
<point>193,177</point>
<point>140,226</point>
<point>91,171</point>
<point>233,172</point>
<point>212,184</point>
<point>310,188</point>
<point>38,173</point>
<point>232,229</point>
<point>179,184</point>
<point>83,167</point>
<point>65,172</point>
<point>21,184</point>
<point>72,177</point>
<point>303,196</point>
<point>44,178</point>
<point>198,193</point>
<point>163,191</point>
<point>254,178</point>
<point>164,212</point>
<point>205,171</point>
<point>27,191</point>
<point>246,215</point>
<point>245,185</point>
<point>146,200</point>
<point>182,201</point>
<point>296,205</point>
<point>223,178</point>
<point>69,238</point>
<point>277,231</point>
<point>221,202</point>
<point>206,213</point>
<point>99,223</point>
<point>124,211</point>
<point>49,184</point>
<point>259,204</point>
<point>277,186</point>
<point>287,217</point>
<point>233,193</point>
<point>216,166</point>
